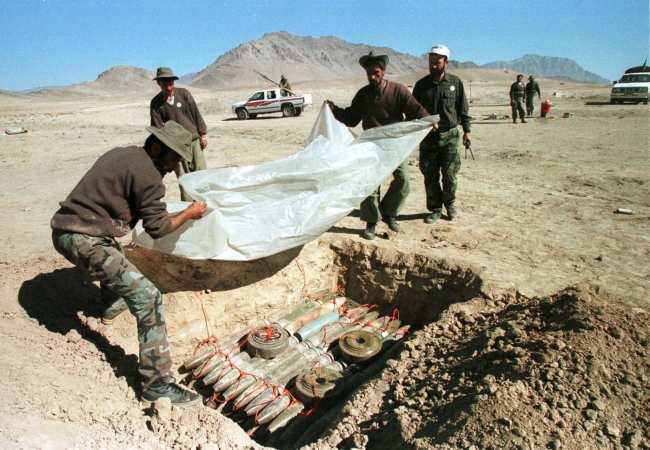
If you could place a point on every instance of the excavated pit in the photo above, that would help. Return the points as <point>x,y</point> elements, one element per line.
<point>237,294</point>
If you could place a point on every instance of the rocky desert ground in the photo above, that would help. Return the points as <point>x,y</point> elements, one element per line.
<point>529,312</point>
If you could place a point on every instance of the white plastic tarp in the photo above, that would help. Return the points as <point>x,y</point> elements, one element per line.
<point>257,211</point>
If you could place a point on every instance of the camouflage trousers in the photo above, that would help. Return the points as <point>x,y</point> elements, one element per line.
<point>373,210</point>
<point>440,157</point>
<point>103,260</point>
<point>197,163</point>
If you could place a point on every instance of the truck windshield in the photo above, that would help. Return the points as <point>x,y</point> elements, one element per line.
<point>635,79</point>
<point>257,96</point>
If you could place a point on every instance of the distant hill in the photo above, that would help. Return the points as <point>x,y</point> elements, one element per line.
<point>125,78</point>
<point>118,80</point>
<point>185,79</point>
<point>548,66</point>
<point>299,58</point>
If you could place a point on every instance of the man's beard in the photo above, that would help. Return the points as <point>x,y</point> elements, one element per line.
<point>160,165</point>
<point>436,72</point>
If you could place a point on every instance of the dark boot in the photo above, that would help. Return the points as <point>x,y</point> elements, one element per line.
<point>451,212</point>
<point>433,217</point>
<point>392,223</point>
<point>369,232</point>
<point>179,396</point>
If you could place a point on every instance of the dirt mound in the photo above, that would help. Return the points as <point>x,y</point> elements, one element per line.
<point>568,371</point>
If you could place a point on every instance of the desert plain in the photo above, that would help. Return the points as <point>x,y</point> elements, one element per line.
<point>537,231</point>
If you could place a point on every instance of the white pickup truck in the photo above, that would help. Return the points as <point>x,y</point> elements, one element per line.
<point>272,101</point>
<point>634,86</point>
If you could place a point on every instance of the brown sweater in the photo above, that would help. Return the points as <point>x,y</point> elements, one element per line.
<point>184,111</point>
<point>394,104</point>
<point>122,187</point>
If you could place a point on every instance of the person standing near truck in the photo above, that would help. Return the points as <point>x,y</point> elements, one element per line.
<point>284,83</point>
<point>532,87</point>
<point>517,98</point>
<point>381,102</point>
<point>178,104</point>
<point>444,94</point>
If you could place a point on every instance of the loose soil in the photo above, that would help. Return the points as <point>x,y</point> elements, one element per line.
<point>534,333</point>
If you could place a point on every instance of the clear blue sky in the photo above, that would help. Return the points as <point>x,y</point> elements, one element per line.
<point>62,42</point>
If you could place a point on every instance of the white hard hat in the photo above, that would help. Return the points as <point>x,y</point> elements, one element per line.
<point>439,49</point>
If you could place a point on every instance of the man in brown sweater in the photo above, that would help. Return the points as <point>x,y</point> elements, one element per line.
<point>177,104</point>
<point>381,102</point>
<point>122,187</point>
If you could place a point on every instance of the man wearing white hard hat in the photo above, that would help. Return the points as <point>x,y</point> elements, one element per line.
<point>442,93</point>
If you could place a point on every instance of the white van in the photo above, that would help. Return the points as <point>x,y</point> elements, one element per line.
<point>633,86</point>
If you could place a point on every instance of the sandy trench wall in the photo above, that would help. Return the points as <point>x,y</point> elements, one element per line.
<point>418,286</point>
<point>235,295</point>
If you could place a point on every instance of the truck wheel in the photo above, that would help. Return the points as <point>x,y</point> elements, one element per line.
<point>288,111</point>
<point>252,116</point>
<point>612,101</point>
<point>645,102</point>
<point>298,112</point>
<point>242,114</point>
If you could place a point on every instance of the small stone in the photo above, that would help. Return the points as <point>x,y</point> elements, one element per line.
<point>360,441</point>
<point>73,336</point>
<point>162,409</point>
<point>335,439</point>
<point>590,414</point>
<point>633,439</point>
<point>598,405</point>
<point>612,430</point>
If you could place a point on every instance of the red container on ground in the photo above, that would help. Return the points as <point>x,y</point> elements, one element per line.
<point>546,108</point>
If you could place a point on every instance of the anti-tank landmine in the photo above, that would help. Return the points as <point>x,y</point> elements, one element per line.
<point>280,377</point>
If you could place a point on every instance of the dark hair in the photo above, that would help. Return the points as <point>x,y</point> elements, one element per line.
<point>375,62</point>
<point>520,75</point>
<point>152,139</point>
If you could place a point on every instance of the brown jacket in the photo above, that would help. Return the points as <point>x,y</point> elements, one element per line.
<point>184,111</point>
<point>122,187</point>
<point>395,104</point>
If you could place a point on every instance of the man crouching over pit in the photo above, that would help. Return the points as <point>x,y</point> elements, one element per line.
<point>124,186</point>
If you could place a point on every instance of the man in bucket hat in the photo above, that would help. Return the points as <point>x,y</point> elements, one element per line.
<point>122,187</point>
<point>381,102</point>
<point>174,103</point>
<point>444,94</point>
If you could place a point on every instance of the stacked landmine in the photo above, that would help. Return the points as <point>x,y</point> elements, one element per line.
<point>308,359</point>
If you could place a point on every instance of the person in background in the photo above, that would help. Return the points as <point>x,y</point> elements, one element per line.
<point>178,104</point>
<point>284,83</point>
<point>532,87</point>
<point>517,99</point>
<point>444,94</point>
<point>122,187</point>
<point>381,102</point>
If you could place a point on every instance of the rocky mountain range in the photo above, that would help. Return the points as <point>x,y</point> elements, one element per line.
<point>303,58</point>
<point>548,66</point>
<point>300,58</point>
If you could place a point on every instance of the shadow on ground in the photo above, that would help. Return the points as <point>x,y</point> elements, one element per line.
<point>58,299</point>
